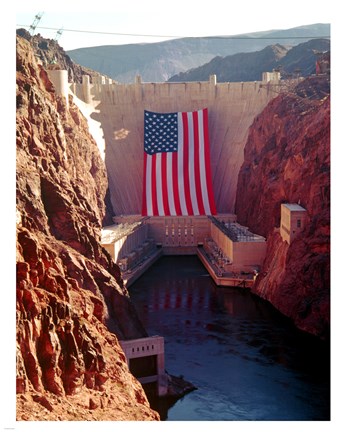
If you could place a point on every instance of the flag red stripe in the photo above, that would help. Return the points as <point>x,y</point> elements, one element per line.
<point>186,165</point>
<point>164,183</point>
<point>197,163</point>
<point>144,199</point>
<point>153,185</point>
<point>207,163</point>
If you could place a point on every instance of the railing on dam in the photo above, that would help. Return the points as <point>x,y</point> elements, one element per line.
<point>115,93</point>
<point>235,231</point>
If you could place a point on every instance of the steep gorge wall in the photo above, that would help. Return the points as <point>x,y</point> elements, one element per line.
<point>71,303</point>
<point>232,108</point>
<point>287,159</point>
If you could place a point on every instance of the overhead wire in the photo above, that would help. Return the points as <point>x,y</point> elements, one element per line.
<point>176,36</point>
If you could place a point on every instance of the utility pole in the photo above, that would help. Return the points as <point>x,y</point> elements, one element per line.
<point>33,26</point>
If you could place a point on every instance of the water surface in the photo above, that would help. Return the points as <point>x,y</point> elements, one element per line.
<point>247,361</point>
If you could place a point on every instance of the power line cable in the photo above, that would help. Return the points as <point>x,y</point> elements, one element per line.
<point>176,36</point>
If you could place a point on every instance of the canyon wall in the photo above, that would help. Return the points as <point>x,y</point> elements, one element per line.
<point>287,159</point>
<point>71,303</point>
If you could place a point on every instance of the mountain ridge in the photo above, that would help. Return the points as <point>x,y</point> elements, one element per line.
<point>160,60</point>
<point>249,66</point>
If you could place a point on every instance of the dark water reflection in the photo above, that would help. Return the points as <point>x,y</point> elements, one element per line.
<point>247,361</point>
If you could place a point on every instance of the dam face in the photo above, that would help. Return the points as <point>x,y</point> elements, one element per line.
<point>232,255</point>
<point>232,108</point>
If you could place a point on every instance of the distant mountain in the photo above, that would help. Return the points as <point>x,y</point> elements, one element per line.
<point>157,62</point>
<point>303,56</point>
<point>237,67</point>
<point>249,66</point>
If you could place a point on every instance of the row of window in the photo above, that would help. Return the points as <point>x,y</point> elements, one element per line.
<point>143,348</point>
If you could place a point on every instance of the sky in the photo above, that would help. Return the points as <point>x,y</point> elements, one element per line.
<point>152,20</point>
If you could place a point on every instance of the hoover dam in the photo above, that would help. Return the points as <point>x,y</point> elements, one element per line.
<point>226,249</point>
<point>119,108</point>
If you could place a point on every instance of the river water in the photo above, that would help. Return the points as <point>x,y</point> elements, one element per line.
<point>247,361</point>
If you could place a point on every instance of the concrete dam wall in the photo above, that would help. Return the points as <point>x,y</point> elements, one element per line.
<point>120,110</point>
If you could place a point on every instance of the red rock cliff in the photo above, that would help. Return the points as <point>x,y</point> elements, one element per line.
<point>287,159</point>
<point>71,303</point>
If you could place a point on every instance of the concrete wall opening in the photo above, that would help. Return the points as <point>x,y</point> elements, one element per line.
<point>146,360</point>
<point>143,366</point>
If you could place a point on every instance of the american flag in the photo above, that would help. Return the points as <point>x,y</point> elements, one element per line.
<point>177,177</point>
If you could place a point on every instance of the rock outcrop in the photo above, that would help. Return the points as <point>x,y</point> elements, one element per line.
<point>71,303</point>
<point>49,52</point>
<point>287,159</point>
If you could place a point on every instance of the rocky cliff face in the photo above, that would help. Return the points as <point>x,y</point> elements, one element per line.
<point>287,159</point>
<point>71,303</point>
<point>49,52</point>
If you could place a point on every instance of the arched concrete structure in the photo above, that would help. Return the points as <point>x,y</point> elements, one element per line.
<point>232,108</point>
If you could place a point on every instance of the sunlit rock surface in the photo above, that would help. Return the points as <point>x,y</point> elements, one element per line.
<point>71,303</point>
<point>287,159</point>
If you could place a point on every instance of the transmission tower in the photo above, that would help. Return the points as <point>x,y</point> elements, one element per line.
<point>58,34</point>
<point>33,26</point>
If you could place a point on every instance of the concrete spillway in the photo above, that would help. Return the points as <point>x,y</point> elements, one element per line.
<point>120,110</point>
